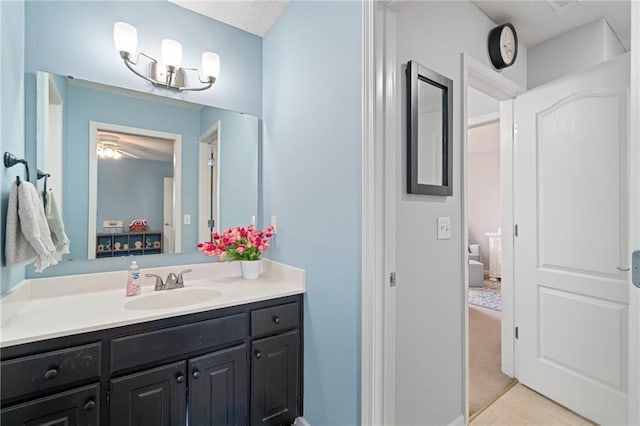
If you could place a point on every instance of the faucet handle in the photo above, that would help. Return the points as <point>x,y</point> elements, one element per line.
<point>159,283</point>
<point>180,282</point>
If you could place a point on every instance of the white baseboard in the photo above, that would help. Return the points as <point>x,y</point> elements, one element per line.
<point>458,421</point>
<point>300,421</point>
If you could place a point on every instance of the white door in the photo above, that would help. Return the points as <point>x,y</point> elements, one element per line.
<point>572,211</point>
<point>169,226</point>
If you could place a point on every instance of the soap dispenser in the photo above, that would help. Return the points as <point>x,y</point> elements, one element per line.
<point>133,281</point>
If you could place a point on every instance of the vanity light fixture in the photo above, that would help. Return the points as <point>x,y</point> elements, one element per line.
<point>169,73</point>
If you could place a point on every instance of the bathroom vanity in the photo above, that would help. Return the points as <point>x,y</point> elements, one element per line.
<point>218,361</point>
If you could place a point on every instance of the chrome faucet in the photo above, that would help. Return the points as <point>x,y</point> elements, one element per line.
<point>172,281</point>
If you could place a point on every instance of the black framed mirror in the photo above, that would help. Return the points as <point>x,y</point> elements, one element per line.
<point>429,131</point>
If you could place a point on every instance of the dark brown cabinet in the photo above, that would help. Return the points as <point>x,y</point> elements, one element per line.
<point>78,407</point>
<point>240,365</point>
<point>218,388</point>
<point>155,397</point>
<point>275,379</point>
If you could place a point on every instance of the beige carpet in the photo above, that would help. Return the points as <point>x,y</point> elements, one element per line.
<point>522,406</point>
<point>486,381</point>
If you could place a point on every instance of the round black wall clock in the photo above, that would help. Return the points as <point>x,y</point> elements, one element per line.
<point>503,46</point>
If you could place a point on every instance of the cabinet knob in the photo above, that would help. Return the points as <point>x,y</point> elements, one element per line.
<point>90,405</point>
<point>179,377</point>
<point>51,374</point>
<point>258,354</point>
<point>196,374</point>
<point>276,319</point>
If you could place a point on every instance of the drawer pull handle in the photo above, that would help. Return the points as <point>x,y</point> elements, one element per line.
<point>258,354</point>
<point>196,374</point>
<point>90,405</point>
<point>276,319</point>
<point>179,377</point>
<point>51,374</point>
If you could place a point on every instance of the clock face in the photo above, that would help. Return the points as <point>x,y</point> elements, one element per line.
<point>507,45</point>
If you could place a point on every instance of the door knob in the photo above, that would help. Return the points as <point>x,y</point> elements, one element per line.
<point>276,319</point>
<point>90,405</point>
<point>258,354</point>
<point>195,374</point>
<point>179,377</point>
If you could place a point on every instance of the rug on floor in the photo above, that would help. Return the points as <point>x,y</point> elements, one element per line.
<point>487,296</point>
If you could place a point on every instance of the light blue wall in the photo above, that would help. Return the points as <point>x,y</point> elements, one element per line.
<point>311,180</point>
<point>238,164</point>
<point>130,189</point>
<point>76,38</point>
<point>12,21</point>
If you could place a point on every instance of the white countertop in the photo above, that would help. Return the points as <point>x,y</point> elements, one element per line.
<point>45,308</point>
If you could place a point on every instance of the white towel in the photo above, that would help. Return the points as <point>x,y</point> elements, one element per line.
<point>58,236</point>
<point>27,237</point>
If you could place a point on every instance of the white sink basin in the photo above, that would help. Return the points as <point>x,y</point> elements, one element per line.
<point>165,299</point>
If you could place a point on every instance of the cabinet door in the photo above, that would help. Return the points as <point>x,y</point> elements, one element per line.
<point>219,388</point>
<point>274,379</point>
<point>78,407</point>
<point>155,397</point>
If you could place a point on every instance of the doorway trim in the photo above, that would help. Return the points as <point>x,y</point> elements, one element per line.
<point>209,138</point>
<point>94,126</point>
<point>482,78</point>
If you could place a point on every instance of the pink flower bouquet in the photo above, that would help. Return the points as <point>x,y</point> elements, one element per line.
<point>238,243</point>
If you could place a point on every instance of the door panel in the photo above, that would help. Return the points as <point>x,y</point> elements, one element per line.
<point>218,388</point>
<point>274,379</point>
<point>571,207</point>
<point>155,397</point>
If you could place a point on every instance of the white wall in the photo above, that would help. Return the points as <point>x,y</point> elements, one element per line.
<point>575,50</point>
<point>429,294</point>
<point>483,186</point>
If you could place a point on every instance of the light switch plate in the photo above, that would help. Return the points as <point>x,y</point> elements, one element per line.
<point>187,219</point>
<point>444,228</point>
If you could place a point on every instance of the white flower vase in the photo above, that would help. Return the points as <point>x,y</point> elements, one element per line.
<point>250,269</point>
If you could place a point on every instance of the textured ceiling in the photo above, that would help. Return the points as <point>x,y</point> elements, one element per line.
<point>540,20</point>
<point>254,16</point>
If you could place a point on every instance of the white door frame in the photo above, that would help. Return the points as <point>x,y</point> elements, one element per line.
<point>94,126</point>
<point>634,226</point>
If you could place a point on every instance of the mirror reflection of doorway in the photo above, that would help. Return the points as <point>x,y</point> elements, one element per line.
<point>134,175</point>
<point>208,178</point>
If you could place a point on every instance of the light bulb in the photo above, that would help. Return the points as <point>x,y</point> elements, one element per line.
<point>125,37</point>
<point>171,53</point>
<point>210,65</point>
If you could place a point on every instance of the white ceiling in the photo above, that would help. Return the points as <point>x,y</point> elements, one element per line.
<point>540,20</point>
<point>254,16</point>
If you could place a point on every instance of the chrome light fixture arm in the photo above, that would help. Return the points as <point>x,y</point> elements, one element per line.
<point>130,64</point>
<point>208,83</point>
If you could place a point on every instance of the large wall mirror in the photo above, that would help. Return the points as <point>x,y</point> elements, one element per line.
<point>116,155</point>
<point>429,131</point>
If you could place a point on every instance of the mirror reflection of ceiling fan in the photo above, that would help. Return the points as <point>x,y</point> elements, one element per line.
<point>108,147</point>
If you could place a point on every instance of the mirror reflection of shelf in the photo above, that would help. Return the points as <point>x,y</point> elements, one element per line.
<point>128,243</point>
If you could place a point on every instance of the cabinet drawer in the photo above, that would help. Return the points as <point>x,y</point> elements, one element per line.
<point>274,319</point>
<point>158,345</point>
<point>38,373</point>
<point>76,407</point>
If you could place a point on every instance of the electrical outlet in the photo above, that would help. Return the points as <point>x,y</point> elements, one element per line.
<point>187,219</point>
<point>444,228</point>
<point>274,223</point>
